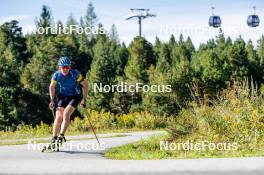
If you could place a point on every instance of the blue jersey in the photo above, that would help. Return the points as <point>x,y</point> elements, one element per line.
<point>69,84</point>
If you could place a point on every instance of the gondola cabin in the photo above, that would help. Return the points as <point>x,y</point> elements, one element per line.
<point>215,21</point>
<point>253,20</point>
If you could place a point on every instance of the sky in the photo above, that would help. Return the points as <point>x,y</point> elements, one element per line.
<point>189,17</point>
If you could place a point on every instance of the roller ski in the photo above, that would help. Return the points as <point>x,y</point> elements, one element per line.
<point>54,146</point>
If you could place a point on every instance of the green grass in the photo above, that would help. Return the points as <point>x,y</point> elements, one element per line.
<point>145,149</point>
<point>150,149</point>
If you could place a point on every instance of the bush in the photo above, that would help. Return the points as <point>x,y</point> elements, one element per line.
<point>237,116</point>
<point>27,131</point>
<point>236,119</point>
<point>106,120</point>
<point>148,121</point>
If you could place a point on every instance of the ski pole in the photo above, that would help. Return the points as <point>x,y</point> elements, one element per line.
<point>93,130</point>
<point>53,113</point>
<point>84,106</point>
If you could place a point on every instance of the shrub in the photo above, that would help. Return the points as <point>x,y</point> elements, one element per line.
<point>238,115</point>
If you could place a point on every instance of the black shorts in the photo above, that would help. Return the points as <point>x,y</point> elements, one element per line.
<point>63,100</point>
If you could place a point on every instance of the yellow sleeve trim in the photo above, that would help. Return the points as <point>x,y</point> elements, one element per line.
<point>80,78</point>
<point>53,82</point>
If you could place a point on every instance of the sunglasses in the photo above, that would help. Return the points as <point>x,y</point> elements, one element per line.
<point>66,67</point>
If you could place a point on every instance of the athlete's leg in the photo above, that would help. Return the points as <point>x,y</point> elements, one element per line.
<point>66,118</point>
<point>58,121</point>
<point>72,105</point>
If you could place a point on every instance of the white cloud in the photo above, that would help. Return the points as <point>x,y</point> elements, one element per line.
<point>14,17</point>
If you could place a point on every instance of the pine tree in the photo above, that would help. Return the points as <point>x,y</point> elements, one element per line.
<point>141,58</point>
<point>119,103</point>
<point>72,45</point>
<point>85,49</point>
<point>113,34</point>
<point>260,56</point>
<point>222,50</point>
<point>12,60</point>
<point>37,74</point>
<point>102,71</point>
<point>120,55</point>
<point>182,50</point>
<point>157,47</point>
<point>209,68</point>
<point>8,112</point>
<point>45,21</point>
<point>91,18</point>
<point>254,68</point>
<point>238,60</point>
<point>9,67</point>
<point>160,102</point>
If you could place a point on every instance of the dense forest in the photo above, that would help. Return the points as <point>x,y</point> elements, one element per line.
<point>28,62</point>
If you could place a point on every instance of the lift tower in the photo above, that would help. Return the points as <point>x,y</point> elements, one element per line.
<point>140,14</point>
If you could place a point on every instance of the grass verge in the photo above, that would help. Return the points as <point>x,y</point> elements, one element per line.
<point>151,149</point>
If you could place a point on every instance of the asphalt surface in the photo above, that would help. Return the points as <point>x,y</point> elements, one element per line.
<point>87,157</point>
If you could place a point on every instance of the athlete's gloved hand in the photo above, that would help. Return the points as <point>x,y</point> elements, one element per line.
<point>83,103</point>
<point>51,105</point>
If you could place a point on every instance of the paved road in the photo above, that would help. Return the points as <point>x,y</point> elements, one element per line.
<point>74,159</point>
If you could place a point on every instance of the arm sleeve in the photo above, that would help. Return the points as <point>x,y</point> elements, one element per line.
<point>54,78</point>
<point>79,77</point>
